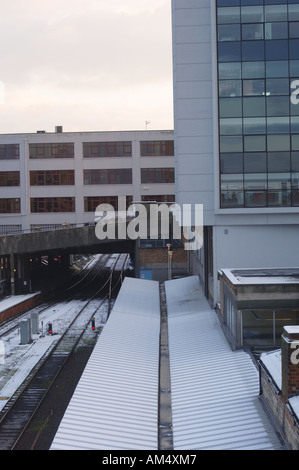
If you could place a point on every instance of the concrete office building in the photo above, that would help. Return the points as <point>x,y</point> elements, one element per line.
<point>51,178</point>
<point>237,130</point>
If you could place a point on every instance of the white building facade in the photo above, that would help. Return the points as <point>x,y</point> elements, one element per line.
<point>236,130</point>
<point>51,178</point>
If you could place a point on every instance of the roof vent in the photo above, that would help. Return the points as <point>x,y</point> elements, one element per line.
<point>40,132</point>
<point>58,129</point>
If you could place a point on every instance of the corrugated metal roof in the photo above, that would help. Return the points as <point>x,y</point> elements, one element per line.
<point>214,390</point>
<point>115,405</point>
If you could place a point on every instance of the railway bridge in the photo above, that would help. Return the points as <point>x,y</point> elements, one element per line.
<point>19,252</point>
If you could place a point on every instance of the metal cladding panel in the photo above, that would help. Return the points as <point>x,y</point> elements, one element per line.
<point>115,404</point>
<point>215,403</point>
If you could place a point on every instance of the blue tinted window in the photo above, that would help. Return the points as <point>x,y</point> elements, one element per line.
<point>230,88</point>
<point>229,32</point>
<point>229,70</point>
<point>276,13</point>
<point>277,68</point>
<point>229,52</point>
<point>253,87</point>
<point>252,14</point>
<point>230,107</point>
<point>254,107</point>
<point>277,50</point>
<point>277,86</point>
<point>252,31</point>
<point>278,125</point>
<point>231,163</point>
<point>253,69</point>
<point>255,162</point>
<point>276,31</point>
<point>294,30</point>
<point>228,15</point>
<point>252,51</point>
<point>278,105</point>
<point>254,125</point>
<point>294,48</point>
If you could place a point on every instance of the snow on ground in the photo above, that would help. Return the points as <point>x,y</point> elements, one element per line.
<point>16,360</point>
<point>13,300</point>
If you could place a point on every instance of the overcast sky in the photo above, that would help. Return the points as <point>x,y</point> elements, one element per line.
<point>86,65</point>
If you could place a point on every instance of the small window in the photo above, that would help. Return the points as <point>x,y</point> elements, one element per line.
<point>229,32</point>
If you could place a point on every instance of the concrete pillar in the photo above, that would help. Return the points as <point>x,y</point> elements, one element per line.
<point>290,361</point>
<point>12,274</point>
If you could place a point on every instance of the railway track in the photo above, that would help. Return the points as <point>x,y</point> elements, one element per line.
<point>66,293</point>
<point>20,409</point>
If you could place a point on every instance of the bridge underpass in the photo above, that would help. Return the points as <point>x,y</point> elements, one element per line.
<point>18,253</point>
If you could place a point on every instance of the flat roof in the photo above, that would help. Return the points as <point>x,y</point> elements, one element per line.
<point>115,404</point>
<point>261,276</point>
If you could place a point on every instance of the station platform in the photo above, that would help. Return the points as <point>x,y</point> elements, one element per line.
<point>214,390</point>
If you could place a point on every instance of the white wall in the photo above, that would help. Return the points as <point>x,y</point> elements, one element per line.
<point>78,163</point>
<point>193,104</point>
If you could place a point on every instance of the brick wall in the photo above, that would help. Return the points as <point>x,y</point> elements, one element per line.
<point>21,307</point>
<point>277,405</point>
<point>160,255</point>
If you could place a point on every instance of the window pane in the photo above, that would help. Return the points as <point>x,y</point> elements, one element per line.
<point>279,180</point>
<point>294,48</point>
<point>255,162</point>
<point>230,32</point>
<point>253,50</point>
<point>294,30</point>
<point>278,143</point>
<point>278,125</point>
<point>232,199</point>
<point>294,68</point>
<point>277,86</point>
<point>253,87</point>
<point>295,124</point>
<point>254,107</point>
<point>229,70</point>
<point>229,52</point>
<point>254,125</point>
<point>252,31</point>
<point>295,180</point>
<point>230,88</point>
<point>228,15</point>
<point>254,143</point>
<point>293,12</point>
<point>276,13</point>
<point>231,126</point>
<point>253,69</point>
<point>230,107</point>
<point>278,105</point>
<point>232,182</point>
<point>255,198</point>
<point>255,181</point>
<point>231,163</point>
<point>252,14</point>
<point>295,142</point>
<point>279,162</point>
<point>227,3</point>
<point>277,50</point>
<point>295,161</point>
<point>231,144</point>
<point>276,31</point>
<point>279,68</point>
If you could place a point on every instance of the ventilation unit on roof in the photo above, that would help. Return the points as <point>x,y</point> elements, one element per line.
<point>58,129</point>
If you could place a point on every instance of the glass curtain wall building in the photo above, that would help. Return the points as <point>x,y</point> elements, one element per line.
<point>236,131</point>
<point>258,64</point>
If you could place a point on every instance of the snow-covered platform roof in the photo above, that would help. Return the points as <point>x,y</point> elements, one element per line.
<point>214,390</point>
<point>115,404</point>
